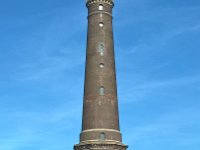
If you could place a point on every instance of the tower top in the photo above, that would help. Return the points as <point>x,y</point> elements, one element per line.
<point>88,2</point>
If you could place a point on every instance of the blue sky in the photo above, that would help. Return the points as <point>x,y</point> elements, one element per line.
<point>42,56</point>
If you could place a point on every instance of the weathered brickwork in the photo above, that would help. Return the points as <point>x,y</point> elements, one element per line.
<point>100,106</point>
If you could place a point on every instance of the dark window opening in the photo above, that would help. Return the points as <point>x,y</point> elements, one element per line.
<point>102,136</point>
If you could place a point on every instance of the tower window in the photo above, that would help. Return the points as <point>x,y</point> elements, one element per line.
<point>101,24</point>
<point>101,65</point>
<point>100,7</point>
<point>101,91</point>
<point>102,136</point>
<point>101,48</point>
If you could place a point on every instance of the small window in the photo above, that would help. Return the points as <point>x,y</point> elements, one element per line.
<point>102,136</point>
<point>101,65</point>
<point>101,24</point>
<point>100,7</point>
<point>101,48</point>
<point>101,91</point>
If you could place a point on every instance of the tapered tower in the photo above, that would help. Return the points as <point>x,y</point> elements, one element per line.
<point>100,124</point>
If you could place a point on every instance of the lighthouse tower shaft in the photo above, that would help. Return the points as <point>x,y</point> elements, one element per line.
<point>100,124</point>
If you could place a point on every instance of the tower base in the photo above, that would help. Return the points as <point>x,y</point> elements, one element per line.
<point>100,146</point>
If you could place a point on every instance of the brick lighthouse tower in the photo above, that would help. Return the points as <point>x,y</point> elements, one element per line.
<point>100,124</point>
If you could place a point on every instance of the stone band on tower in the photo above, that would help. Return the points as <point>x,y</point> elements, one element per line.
<point>100,124</point>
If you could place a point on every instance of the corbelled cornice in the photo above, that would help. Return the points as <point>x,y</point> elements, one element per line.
<point>100,146</point>
<point>111,2</point>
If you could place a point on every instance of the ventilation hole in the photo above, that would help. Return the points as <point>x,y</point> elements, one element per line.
<point>102,136</point>
<point>100,7</point>
<point>101,24</point>
<point>101,91</point>
<point>101,65</point>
